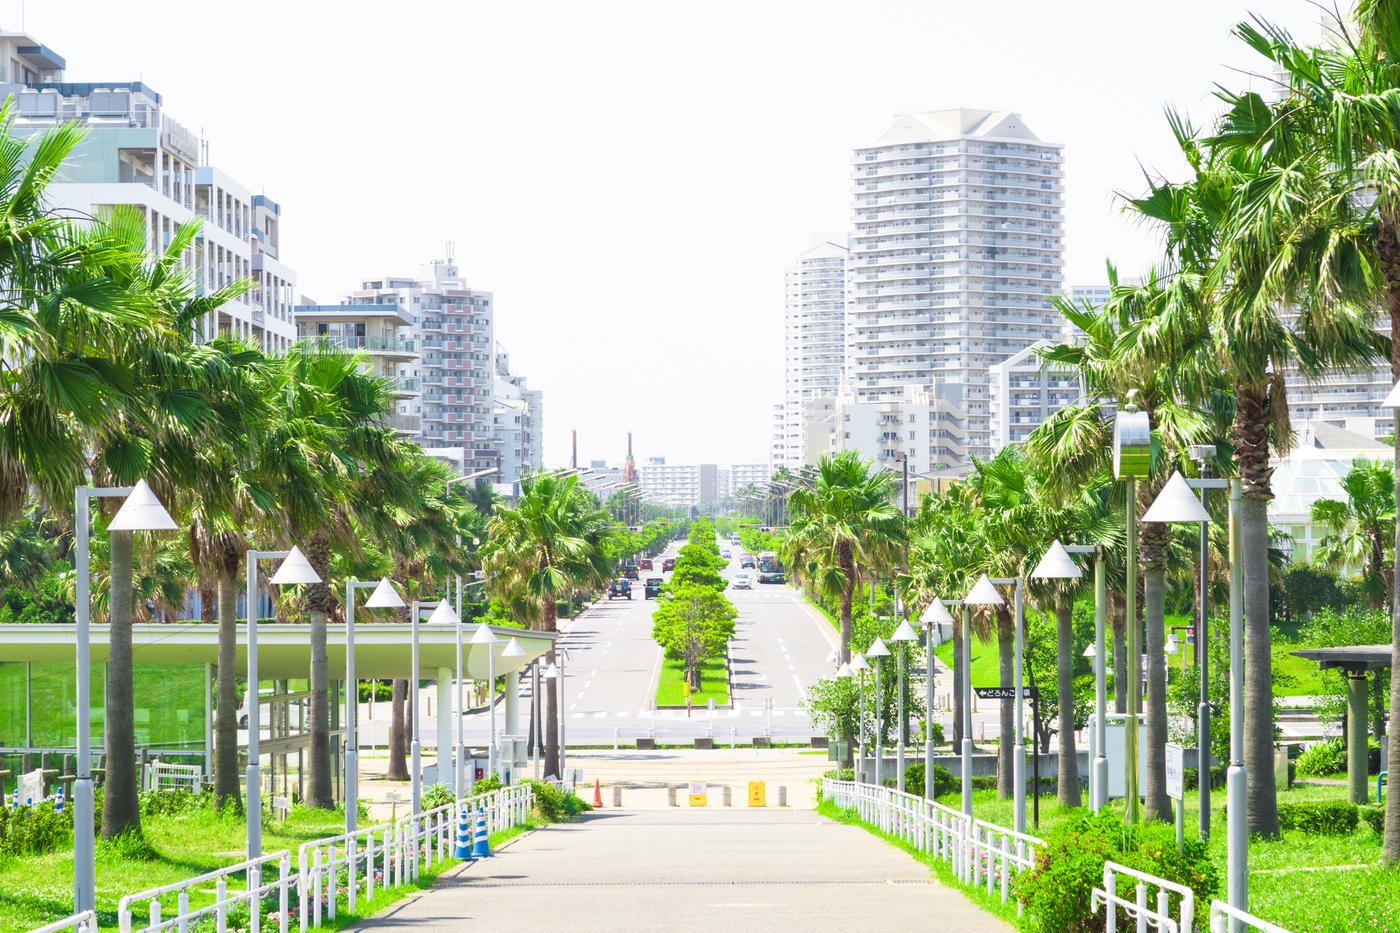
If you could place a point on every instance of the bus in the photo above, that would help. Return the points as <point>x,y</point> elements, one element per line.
<point>770,569</point>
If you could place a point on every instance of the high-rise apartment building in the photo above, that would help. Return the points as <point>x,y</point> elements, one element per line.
<point>958,241</point>
<point>381,331</point>
<point>1024,390</point>
<point>517,422</point>
<point>814,336</point>
<point>679,484</point>
<point>134,155</point>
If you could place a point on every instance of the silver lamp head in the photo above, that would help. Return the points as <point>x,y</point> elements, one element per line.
<point>936,614</point>
<point>844,671</point>
<point>1172,646</point>
<point>384,596</point>
<point>141,511</point>
<point>551,672</point>
<point>484,636</point>
<point>1176,503</point>
<point>295,568</point>
<point>1056,565</point>
<point>443,614</point>
<point>904,633</point>
<point>877,649</point>
<point>858,662</point>
<point>1092,651</point>
<point>513,649</point>
<point>984,593</point>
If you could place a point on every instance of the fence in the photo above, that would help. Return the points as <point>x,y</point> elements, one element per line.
<point>85,922</point>
<point>982,855</point>
<point>1158,915</point>
<point>161,775</point>
<point>252,895</point>
<point>1225,918</point>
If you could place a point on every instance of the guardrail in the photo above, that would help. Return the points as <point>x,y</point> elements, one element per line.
<point>1158,916</point>
<point>982,855</point>
<point>1225,918</point>
<point>85,922</point>
<point>252,894</point>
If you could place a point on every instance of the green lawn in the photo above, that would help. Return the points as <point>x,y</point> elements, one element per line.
<point>714,685</point>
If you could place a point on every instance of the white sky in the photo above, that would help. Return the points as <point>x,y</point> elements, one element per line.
<point>631,179</point>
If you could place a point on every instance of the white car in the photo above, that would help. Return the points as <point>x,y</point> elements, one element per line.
<point>743,581</point>
<point>726,553</point>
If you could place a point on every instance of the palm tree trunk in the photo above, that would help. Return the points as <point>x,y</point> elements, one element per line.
<point>848,572</point>
<point>1251,436</point>
<point>1006,651</point>
<point>121,810</point>
<point>1157,805</point>
<point>398,762</point>
<point>550,623</point>
<point>226,710</point>
<point>1388,248</point>
<point>320,602</point>
<point>1120,652</point>
<point>958,675</point>
<point>1068,782</point>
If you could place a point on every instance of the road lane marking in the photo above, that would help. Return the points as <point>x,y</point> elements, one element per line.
<point>800,689</point>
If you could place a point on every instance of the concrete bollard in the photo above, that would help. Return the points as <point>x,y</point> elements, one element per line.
<point>617,795</point>
<point>728,796</point>
<point>782,796</point>
<point>671,796</point>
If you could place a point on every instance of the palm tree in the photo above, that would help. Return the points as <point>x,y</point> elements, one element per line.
<point>843,526</point>
<point>551,543</point>
<point>1361,527</point>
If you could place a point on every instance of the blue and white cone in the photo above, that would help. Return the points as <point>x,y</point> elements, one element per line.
<point>482,848</point>
<point>58,802</point>
<point>463,849</point>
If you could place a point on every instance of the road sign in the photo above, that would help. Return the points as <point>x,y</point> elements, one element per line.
<point>756,794</point>
<point>1176,771</point>
<point>1005,693</point>
<point>697,794</point>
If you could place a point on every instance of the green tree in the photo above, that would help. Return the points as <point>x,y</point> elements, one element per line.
<point>693,624</point>
<point>1361,527</point>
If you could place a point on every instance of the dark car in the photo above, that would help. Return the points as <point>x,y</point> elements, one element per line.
<point>620,588</point>
<point>645,564</point>
<point>746,562</point>
<point>630,573</point>
<point>653,587</point>
<point>668,565</point>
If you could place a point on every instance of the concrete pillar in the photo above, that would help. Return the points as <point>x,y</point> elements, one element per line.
<point>1357,731</point>
<point>444,726</point>
<point>512,703</point>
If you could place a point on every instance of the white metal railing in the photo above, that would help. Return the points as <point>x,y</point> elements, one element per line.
<point>348,869</point>
<point>1221,915</point>
<point>982,855</point>
<point>161,775</point>
<point>85,922</point>
<point>1157,915</point>
<point>252,894</point>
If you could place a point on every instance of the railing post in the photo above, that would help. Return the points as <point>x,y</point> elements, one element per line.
<point>351,887</point>
<point>153,909</point>
<point>1110,886</point>
<point>254,875</point>
<point>284,882</point>
<point>183,905</point>
<point>220,908</point>
<point>316,876</point>
<point>1141,901</point>
<point>1005,867</point>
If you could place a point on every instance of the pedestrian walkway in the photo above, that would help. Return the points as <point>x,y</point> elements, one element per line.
<point>616,871</point>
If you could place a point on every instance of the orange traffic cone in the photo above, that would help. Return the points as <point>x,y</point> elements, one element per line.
<point>597,794</point>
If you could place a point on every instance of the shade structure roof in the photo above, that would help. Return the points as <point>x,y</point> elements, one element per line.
<point>1355,658</point>
<point>382,650</point>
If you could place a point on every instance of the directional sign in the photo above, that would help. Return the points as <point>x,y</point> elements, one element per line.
<point>1176,771</point>
<point>1004,693</point>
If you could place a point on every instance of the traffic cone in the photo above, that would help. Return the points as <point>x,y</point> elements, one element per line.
<point>482,847</point>
<point>597,794</point>
<point>463,849</point>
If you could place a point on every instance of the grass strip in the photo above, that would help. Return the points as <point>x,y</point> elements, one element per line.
<point>714,684</point>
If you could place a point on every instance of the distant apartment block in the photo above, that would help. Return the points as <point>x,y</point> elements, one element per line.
<point>1024,391</point>
<point>677,484</point>
<point>517,422</point>
<point>382,333</point>
<point>814,351</point>
<point>135,155</point>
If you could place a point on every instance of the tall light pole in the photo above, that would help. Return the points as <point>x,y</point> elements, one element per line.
<point>141,511</point>
<point>1056,564</point>
<point>859,665</point>
<point>904,634</point>
<point>295,569</point>
<point>512,650</point>
<point>1132,460</point>
<point>484,637</point>
<point>984,593</point>
<point>442,615</point>
<point>458,780</point>
<point>555,671</point>
<point>934,617</point>
<point>878,650</point>
<point>383,597</point>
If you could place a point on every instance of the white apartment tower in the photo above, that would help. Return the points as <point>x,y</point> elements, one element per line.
<point>958,242</point>
<point>517,422</point>
<point>135,156</point>
<point>814,336</point>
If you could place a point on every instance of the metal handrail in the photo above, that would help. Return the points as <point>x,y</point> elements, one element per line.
<point>1159,917</point>
<point>83,922</point>
<point>1222,913</point>
<point>223,898</point>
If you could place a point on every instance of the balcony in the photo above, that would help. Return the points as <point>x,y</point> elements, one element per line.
<point>406,424</point>
<point>396,346</point>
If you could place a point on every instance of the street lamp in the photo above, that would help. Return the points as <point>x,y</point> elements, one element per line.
<point>1132,460</point>
<point>484,636</point>
<point>511,650</point>
<point>984,593</point>
<point>141,511</point>
<point>878,650</point>
<point>383,597</point>
<point>1057,564</point>
<point>442,615</point>
<point>295,568</point>
<point>902,634</point>
<point>935,615</point>
<point>859,665</point>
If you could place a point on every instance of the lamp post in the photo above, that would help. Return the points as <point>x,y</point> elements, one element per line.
<point>935,615</point>
<point>878,650</point>
<point>984,593</point>
<point>859,665</point>
<point>843,672</point>
<point>141,511</point>
<point>442,615</point>
<point>511,650</point>
<point>1132,460</point>
<point>1057,564</point>
<point>485,637</point>
<point>383,597</point>
<point>556,672</point>
<point>904,634</point>
<point>295,568</point>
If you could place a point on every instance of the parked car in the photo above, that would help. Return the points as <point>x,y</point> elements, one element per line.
<point>743,581</point>
<point>621,587</point>
<point>653,587</point>
<point>746,562</point>
<point>668,564</point>
<point>645,564</point>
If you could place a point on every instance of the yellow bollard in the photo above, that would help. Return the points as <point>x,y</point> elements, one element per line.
<point>756,794</point>
<point>698,794</point>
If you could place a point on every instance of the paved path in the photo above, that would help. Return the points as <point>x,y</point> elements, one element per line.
<point>616,871</point>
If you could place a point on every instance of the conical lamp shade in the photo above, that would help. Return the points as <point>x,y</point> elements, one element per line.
<point>295,569</point>
<point>877,649</point>
<point>983,594</point>
<point>513,650</point>
<point>141,511</point>
<point>844,671</point>
<point>442,614</point>
<point>1176,503</point>
<point>936,614</point>
<point>551,672</point>
<point>904,633</point>
<point>484,636</point>
<point>1056,565</point>
<point>858,663</point>
<point>384,596</point>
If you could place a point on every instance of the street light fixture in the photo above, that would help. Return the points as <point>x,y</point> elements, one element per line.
<point>484,636</point>
<point>902,634</point>
<point>984,593</point>
<point>1132,460</point>
<point>935,615</point>
<point>294,569</point>
<point>141,511</point>
<point>383,597</point>
<point>859,666</point>
<point>878,650</point>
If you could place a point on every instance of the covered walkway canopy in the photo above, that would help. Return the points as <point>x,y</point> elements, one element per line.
<point>1356,661</point>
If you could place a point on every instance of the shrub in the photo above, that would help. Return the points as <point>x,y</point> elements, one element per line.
<point>489,783</point>
<point>1056,891</point>
<point>841,774</point>
<point>553,805</point>
<point>1373,817</point>
<point>943,781</point>
<point>984,782</point>
<point>437,795</point>
<point>1328,757</point>
<point>1320,817</point>
<point>34,830</point>
<point>172,802</point>
<point>1191,778</point>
